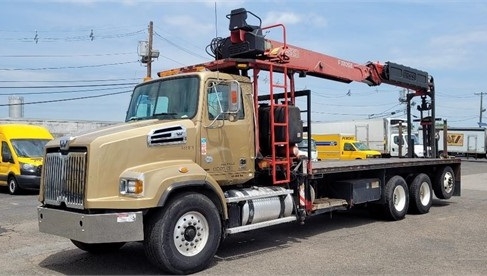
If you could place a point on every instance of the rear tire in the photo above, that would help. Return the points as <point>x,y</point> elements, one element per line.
<point>98,248</point>
<point>397,198</point>
<point>420,194</point>
<point>444,184</point>
<point>183,237</point>
<point>13,186</point>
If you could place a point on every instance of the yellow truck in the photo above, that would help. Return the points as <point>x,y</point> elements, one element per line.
<point>22,155</point>
<point>342,147</point>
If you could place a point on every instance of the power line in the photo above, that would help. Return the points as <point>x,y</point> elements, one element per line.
<point>68,99</point>
<point>68,86</point>
<point>67,67</point>
<point>60,81</point>
<point>58,92</point>
<point>37,38</point>
<point>66,56</point>
<point>179,47</point>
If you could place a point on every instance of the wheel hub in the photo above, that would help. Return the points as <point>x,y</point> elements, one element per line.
<point>191,233</point>
<point>399,198</point>
<point>448,183</point>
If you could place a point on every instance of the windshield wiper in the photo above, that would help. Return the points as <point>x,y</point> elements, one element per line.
<point>172,114</point>
<point>135,119</point>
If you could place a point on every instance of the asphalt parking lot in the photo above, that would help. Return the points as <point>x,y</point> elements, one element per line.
<point>450,239</point>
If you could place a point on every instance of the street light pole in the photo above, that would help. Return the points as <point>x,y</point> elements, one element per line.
<point>481,107</point>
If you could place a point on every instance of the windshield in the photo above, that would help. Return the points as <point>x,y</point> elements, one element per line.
<point>29,147</point>
<point>303,145</point>
<point>166,99</point>
<point>360,146</point>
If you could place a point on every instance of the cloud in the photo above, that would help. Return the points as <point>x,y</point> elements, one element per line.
<point>461,40</point>
<point>222,3</point>
<point>316,20</point>
<point>188,24</point>
<point>448,51</point>
<point>286,18</point>
<point>291,18</point>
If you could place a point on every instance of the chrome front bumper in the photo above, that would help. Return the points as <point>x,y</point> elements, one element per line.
<point>92,228</point>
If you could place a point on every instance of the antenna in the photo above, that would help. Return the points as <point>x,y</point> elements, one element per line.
<point>216,35</point>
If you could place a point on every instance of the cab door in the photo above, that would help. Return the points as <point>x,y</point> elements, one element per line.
<point>6,160</point>
<point>227,138</point>
<point>396,140</point>
<point>349,152</point>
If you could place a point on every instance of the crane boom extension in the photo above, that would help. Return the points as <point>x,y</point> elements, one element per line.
<point>332,68</point>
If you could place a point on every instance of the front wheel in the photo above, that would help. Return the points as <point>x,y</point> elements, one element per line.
<point>397,198</point>
<point>184,236</point>
<point>13,186</point>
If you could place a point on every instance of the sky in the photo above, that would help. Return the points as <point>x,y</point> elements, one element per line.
<point>78,60</point>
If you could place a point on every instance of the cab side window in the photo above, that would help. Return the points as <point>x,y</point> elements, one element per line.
<point>6,153</point>
<point>218,102</point>
<point>396,140</point>
<point>348,147</point>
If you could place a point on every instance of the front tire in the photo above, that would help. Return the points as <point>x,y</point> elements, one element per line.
<point>420,194</point>
<point>13,186</point>
<point>185,235</point>
<point>397,198</point>
<point>98,248</point>
<point>444,184</point>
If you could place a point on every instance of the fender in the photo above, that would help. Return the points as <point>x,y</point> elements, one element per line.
<point>160,180</point>
<point>208,183</point>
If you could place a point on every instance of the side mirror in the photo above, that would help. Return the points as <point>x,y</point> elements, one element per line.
<point>7,158</point>
<point>234,97</point>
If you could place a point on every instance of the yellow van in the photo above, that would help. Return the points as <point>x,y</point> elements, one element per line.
<point>342,147</point>
<point>22,154</point>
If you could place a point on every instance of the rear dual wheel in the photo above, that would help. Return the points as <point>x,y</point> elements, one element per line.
<point>420,194</point>
<point>396,197</point>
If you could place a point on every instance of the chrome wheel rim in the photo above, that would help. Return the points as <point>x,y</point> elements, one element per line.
<point>191,233</point>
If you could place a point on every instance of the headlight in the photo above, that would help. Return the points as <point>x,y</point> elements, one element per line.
<point>28,167</point>
<point>131,187</point>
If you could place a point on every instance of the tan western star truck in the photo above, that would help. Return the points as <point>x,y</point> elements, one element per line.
<point>203,155</point>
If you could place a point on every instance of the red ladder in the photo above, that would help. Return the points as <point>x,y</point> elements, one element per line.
<point>282,163</point>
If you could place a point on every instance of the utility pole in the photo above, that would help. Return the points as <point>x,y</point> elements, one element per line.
<point>149,51</point>
<point>481,107</point>
<point>146,52</point>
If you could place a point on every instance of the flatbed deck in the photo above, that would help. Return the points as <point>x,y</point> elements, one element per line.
<point>337,166</point>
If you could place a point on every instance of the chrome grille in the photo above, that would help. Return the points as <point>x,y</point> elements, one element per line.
<point>64,179</point>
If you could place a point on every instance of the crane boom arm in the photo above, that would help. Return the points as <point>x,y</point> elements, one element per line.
<point>337,69</point>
